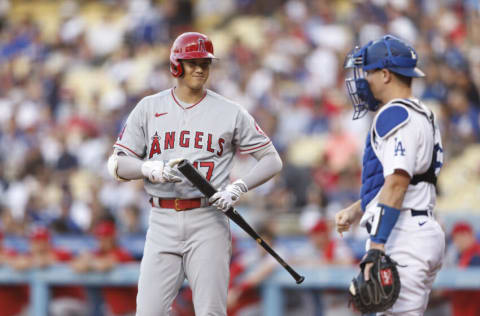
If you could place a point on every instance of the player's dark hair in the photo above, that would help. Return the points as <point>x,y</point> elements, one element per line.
<point>404,79</point>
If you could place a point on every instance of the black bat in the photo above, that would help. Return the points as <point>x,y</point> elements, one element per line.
<point>208,190</point>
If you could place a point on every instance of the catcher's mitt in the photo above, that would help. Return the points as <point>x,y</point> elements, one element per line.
<point>381,291</point>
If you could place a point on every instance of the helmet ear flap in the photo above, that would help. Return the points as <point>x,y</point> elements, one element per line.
<point>176,69</point>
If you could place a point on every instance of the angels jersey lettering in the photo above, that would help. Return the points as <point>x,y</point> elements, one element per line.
<point>207,134</point>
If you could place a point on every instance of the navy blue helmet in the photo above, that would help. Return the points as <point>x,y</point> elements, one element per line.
<point>389,53</point>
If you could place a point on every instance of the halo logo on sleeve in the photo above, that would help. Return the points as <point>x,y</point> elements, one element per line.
<point>259,129</point>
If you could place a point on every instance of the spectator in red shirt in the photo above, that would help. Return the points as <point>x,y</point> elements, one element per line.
<point>466,302</point>
<point>65,300</point>
<point>13,298</point>
<point>247,272</point>
<point>120,300</point>
<point>324,249</point>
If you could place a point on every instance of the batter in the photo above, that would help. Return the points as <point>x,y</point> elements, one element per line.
<point>188,237</point>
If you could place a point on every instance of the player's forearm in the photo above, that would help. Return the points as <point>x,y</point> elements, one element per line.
<point>356,209</point>
<point>266,168</point>
<point>388,208</point>
<point>129,168</point>
<point>394,189</point>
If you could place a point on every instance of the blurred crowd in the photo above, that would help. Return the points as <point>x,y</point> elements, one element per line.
<point>70,72</point>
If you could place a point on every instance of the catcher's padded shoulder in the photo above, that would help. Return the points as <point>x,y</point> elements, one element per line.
<point>391,119</point>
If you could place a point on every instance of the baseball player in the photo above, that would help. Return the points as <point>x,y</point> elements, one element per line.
<point>187,237</point>
<point>401,161</point>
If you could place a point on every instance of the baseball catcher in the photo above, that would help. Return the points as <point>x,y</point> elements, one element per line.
<point>401,161</point>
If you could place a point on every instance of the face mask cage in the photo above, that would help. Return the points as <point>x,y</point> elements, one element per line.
<point>360,106</point>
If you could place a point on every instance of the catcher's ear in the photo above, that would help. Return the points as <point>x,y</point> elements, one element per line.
<point>352,289</point>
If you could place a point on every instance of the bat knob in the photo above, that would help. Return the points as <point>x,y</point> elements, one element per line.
<point>182,163</point>
<point>301,279</point>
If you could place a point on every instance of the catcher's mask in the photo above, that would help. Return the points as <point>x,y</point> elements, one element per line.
<point>389,53</point>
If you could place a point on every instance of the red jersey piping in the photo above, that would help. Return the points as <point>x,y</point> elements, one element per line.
<point>117,144</point>
<point>249,149</point>
<point>189,107</point>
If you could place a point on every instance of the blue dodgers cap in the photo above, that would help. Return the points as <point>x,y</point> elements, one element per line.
<point>390,53</point>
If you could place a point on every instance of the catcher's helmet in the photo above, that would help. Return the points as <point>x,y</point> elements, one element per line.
<point>389,53</point>
<point>190,45</point>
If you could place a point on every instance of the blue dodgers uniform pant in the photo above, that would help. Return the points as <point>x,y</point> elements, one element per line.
<point>193,244</point>
<point>417,243</point>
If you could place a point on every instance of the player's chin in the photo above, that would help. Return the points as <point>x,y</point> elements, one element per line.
<point>198,83</point>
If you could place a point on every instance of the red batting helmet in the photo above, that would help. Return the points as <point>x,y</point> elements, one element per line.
<point>190,45</point>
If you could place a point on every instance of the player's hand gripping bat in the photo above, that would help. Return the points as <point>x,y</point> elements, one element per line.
<point>206,188</point>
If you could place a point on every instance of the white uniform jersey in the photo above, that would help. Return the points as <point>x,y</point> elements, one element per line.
<point>207,133</point>
<point>409,147</point>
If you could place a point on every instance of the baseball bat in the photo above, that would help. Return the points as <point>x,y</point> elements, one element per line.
<point>186,168</point>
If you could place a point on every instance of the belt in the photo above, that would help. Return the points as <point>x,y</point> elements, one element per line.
<point>420,213</point>
<point>178,204</point>
<point>368,226</point>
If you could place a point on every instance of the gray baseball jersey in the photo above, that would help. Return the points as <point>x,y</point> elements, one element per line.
<point>207,134</point>
<point>193,244</point>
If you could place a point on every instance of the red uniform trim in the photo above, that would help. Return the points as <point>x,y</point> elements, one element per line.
<point>117,144</point>
<point>249,149</point>
<point>189,107</point>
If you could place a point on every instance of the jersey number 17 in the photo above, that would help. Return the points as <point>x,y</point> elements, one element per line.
<point>206,164</point>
